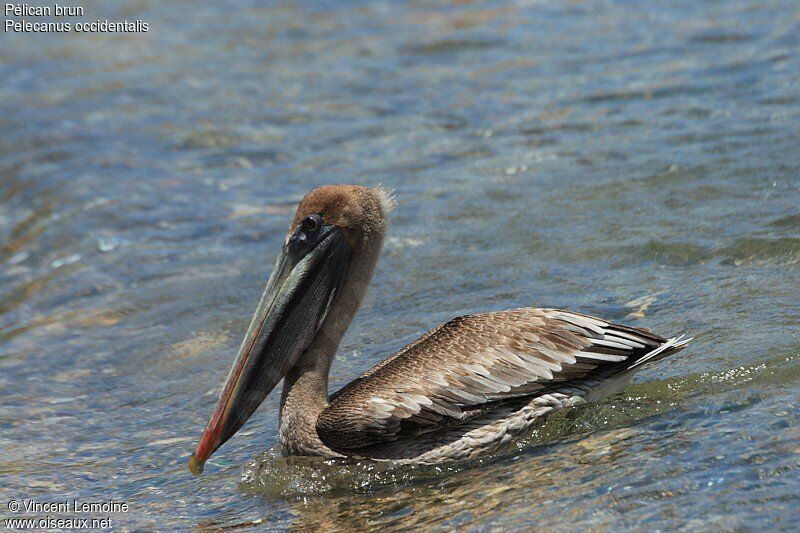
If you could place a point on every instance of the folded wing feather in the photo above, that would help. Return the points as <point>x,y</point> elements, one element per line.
<point>472,363</point>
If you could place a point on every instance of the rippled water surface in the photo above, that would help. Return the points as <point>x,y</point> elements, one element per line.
<point>639,161</point>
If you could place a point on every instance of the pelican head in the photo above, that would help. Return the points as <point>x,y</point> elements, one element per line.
<point>315,288</point>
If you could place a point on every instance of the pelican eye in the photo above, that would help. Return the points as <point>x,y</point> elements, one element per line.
<point>311,223</point>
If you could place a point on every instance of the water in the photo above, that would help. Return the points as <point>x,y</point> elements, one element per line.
<point>630,160</point>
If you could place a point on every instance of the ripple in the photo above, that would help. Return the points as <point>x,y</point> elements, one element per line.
<point>667,253</point>
<point>750,249</point>
<point>719,37</point>
<point>451,46</point>
<point>791,221</point>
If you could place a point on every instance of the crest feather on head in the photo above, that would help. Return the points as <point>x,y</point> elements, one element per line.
<point>386,195</point>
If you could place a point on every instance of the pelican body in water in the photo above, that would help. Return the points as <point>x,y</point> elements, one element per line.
<point>465,388</point>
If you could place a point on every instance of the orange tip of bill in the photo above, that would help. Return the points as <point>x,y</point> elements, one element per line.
<point>195,466</point>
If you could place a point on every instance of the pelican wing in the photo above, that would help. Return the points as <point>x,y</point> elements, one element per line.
<point>474,363</point>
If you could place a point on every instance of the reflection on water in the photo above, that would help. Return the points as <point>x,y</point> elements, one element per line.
<point>633,161</point>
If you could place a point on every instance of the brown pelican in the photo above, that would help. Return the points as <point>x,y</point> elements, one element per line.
<point>465,388</point>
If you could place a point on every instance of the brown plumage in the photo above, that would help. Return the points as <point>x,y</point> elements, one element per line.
<point>465,388</point>
<point>356,210</point>
<point>471,365</point>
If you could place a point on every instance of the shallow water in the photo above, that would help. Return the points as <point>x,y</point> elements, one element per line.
<point>635,161</point>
